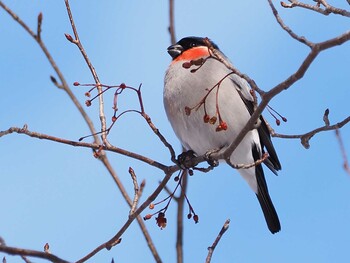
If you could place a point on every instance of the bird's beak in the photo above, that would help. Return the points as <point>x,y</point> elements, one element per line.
<point>175,50</point>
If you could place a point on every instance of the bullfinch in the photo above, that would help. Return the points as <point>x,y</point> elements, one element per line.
<point>208,105</point>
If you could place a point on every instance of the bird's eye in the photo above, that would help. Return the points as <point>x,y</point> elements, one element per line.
<point>193,44</point>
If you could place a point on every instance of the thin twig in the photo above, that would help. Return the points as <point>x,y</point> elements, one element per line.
<point>94,146</point>
<point>109,244</point>
<point>31,253</point>
<point>105,161</point>
<point>267,97</point>
<point>136,191</point>
<point>250,165</point>
<point>286,28</point>
<point>213,246</point>
<point>78,43</point>
<point>104,136</point>
<point>160,136</point>
<point>328,9</point>
<point>343,152</point>
<point>139,219</point>
<point>52,62</point>
<point>25,259</point>
<point>65,87</point>
<point>305,138</point>
<point>219,56</point>
<point>180,217</point>
<point>172,22</point>
<point>38,30</point>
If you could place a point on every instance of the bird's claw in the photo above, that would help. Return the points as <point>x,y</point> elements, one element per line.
<point>212,162</point>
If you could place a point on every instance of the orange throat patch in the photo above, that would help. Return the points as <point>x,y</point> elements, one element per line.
<point>193,54</point>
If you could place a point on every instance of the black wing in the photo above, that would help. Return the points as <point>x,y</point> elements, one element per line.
<point>272,162</point>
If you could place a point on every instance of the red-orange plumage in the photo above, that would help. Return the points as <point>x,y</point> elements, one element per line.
<point>192,54</point>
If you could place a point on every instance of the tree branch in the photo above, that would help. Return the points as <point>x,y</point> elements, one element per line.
<point>172,22</point>
<point>31,253</point>
<point>305,138</point>
<point>267,97</point>
<point>136,191</point>
<point>64,85</point>
<point>66,88</point>
<point>286,28</point>
<point>78,43</point>
<point>114,240</point>
<point>328,9</point>
<point>180,217</point>
<point>94,146</point>
<point>216,242</point>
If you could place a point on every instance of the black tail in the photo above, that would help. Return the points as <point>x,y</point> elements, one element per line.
<point>267,207</point>
<point>270,214</point>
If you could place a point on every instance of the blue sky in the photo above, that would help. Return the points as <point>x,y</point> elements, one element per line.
<point>61,195</point>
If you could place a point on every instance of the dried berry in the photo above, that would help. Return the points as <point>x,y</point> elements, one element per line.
<point>148,216</point>
<point>223,125</point>
<point>212,120</point>
<point>195,218</point>
<point>161,220</point>
<point>187,64</point>
<point>198,62</point>
<point>206,118</point>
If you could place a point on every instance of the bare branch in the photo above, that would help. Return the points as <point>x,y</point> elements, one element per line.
<point>223,60</point>
<point>94,146</point>
<point>66,88</point>
<point>172,22</point>
<point>328,9</point>
<point>305,138</point>
<point>52,62</point>
<point>78,43</point>
<point>31,253</point>
<point>286,28</point>
<point>267,97</point>
<point>180,216</point>
<point>250,165</point>
<point>109,244</point>
<point>172,169</point>
<point>104,138</point>
<point>160,136</point>
<point>139,219</point>
<point>213,246</point>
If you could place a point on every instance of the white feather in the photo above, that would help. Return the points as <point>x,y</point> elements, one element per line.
<point>185,89</point>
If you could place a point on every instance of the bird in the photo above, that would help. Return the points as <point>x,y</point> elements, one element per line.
<point>207,106</point>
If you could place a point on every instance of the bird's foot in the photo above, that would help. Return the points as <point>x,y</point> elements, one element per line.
<point>208,157</point>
